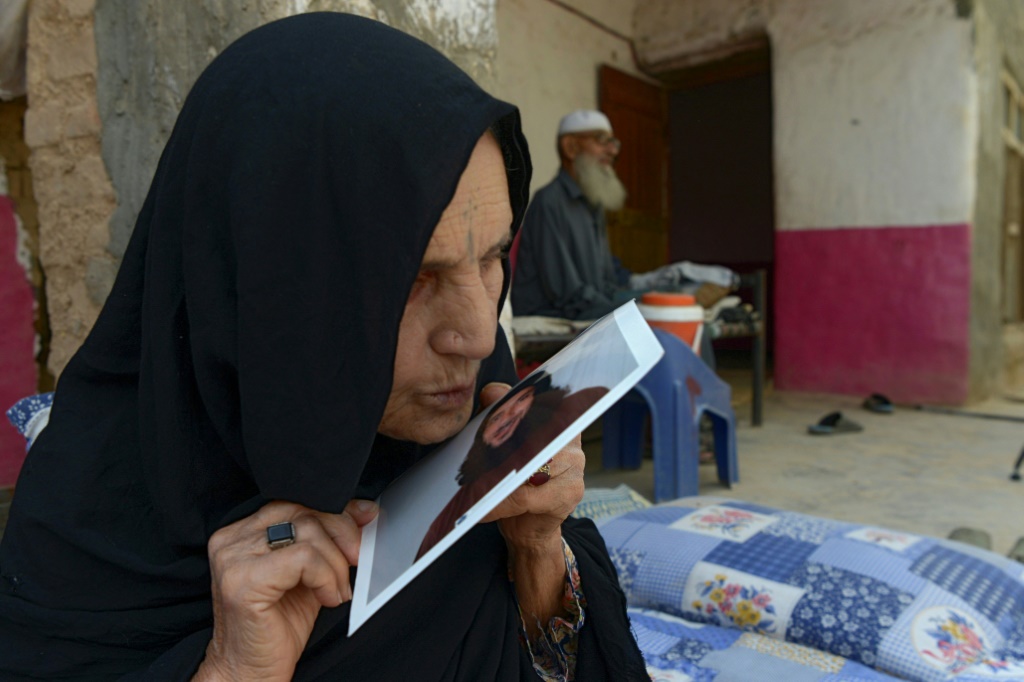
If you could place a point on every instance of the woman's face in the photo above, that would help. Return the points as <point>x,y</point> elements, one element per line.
<point>451,317</point>
<point>502,422</point>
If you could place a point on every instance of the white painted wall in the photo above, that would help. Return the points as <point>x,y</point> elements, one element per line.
<point>876,114</point>
<point>875,102</point>
<point>547,64</point>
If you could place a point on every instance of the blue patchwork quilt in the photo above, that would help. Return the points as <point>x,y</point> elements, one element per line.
<point>786,596</point>
<point>678,650</point>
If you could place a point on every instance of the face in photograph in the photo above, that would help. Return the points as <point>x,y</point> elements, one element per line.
<point>502,422</point>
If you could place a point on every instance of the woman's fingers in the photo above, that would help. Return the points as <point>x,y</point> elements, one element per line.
<point>492,392</point>
<point>362,511</point>
<point>254,572</point>
<point>326,545</point>
<point>557,497</point>
<point>345,529</point>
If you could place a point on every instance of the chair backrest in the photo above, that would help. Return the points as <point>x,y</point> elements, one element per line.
<point>704,386</point>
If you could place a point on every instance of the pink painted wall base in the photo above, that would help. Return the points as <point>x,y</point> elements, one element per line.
<point>18,374</point>
<point>866,310</point>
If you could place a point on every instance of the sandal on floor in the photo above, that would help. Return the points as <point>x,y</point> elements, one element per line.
<point>876,402</point>
<point>972,536</point>
<point>832,423</point>
<point>1017,553</point>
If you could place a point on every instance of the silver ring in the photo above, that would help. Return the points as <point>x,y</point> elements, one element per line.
<point>281,535</point>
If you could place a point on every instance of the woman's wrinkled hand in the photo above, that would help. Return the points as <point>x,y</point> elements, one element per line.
<point>531,517</point>
<point>265,600</point>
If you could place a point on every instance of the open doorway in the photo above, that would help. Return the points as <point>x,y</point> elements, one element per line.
<point>698,162</point>
<point>722,168</point>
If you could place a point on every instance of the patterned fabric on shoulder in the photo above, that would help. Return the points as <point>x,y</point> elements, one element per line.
<point>30,415</point>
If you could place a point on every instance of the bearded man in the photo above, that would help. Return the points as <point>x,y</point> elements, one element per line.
<point>564,267</point>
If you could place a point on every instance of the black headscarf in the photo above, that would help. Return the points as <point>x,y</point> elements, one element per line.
<point>245,354</point>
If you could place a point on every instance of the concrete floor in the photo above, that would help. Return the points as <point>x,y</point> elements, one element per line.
<point>914,471</point>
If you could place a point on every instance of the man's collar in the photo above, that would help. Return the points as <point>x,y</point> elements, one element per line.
<point>570,185</point>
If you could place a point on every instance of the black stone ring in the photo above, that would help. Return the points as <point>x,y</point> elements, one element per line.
<point>281,535</point>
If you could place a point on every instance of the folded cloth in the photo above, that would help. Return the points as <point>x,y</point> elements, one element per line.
<point>530,325</point>
<point>711,312</point>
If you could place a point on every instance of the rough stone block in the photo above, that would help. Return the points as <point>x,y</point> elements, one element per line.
<point>99,278</point>
<point>82,120</point>
<point>75,55</point>
<point>43,125</point>
<point>80,8</point>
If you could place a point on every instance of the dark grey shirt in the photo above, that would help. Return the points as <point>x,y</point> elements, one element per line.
<point>564,266</point>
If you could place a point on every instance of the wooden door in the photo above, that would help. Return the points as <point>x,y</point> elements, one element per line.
<point>1013,253</point>
<point>638,234</point>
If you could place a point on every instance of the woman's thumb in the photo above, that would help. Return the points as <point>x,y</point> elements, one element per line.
<point>490,393</point>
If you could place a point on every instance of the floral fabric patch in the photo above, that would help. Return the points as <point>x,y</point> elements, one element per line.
<point>724,522</point>
<point>897,542</point>
<point>950,640</point>
<point>724,596</point>
<point>626,563</point>
<point>845,613</point>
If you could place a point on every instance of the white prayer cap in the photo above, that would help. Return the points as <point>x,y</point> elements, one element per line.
<point>583,120</point>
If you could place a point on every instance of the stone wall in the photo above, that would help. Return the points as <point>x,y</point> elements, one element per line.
<point>106,79</point>
<point>997,350</point>
<point>74,194</point>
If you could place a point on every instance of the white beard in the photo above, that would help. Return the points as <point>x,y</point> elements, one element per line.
<point>600,185</point>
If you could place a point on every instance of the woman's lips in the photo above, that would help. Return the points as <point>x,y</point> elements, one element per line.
<point>455,396</point>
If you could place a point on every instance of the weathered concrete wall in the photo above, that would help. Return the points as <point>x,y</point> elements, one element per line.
<point>987,356</point>
<point>873,83</point>
<point>673,34</point>
<point>151,51</point>
<point>875,143</point>
<point>125,87</point>
<point>997,351</point>
<point>548,60</point>
<point>74,194</point>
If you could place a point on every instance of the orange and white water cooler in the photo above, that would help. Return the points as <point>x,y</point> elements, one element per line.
<point>678,314</point>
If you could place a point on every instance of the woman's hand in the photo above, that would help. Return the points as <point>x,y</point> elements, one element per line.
<point>265,600</point>
<point>532,516</point>
<point>531,519</point>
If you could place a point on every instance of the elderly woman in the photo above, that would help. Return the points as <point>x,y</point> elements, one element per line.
<point>308,304</point>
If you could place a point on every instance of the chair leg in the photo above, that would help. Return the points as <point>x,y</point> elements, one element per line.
<point>725,449</point>
<point>622,433</point>
<point>682,466</point>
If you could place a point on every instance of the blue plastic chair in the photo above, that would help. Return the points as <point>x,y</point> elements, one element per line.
<point>675,392</point>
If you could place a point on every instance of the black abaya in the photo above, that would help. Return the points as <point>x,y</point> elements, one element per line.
<point>246,346</point>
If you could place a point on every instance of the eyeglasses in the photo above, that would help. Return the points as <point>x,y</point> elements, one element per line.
<point>604,140</point>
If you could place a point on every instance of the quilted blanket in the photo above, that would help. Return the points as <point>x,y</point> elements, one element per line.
<point>821,599</point>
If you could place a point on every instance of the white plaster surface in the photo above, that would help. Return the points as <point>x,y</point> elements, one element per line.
<point>669,29</point>
<point>548,61</point>
<point>875,101</point>
<point>875,115</point>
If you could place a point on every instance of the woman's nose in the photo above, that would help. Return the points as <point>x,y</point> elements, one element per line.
<point>470,323</point>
